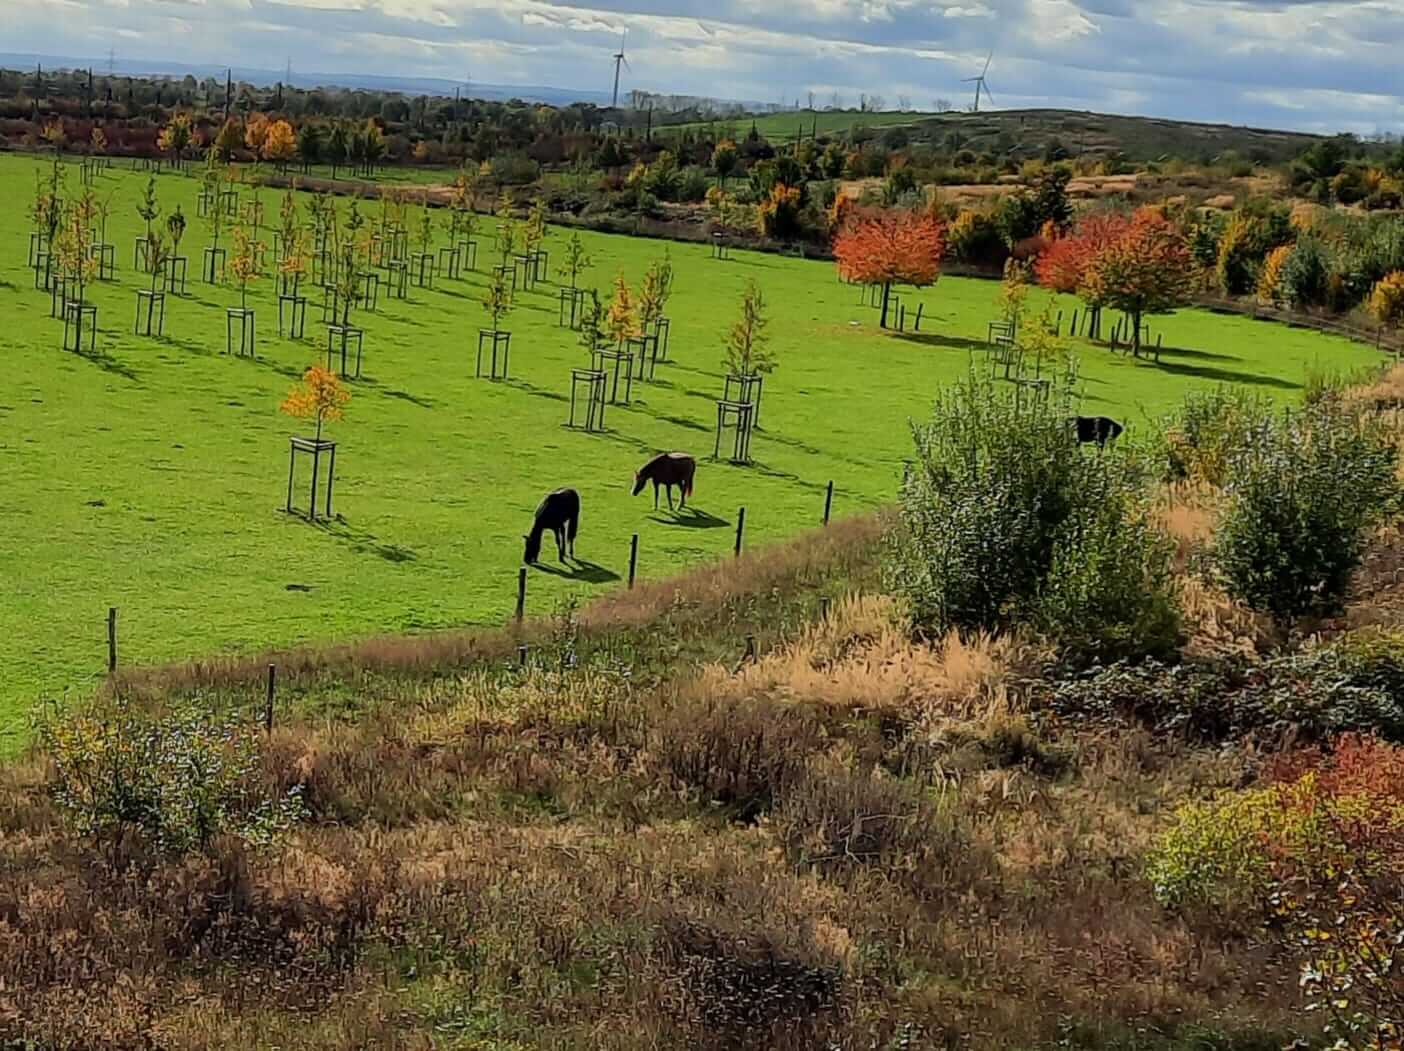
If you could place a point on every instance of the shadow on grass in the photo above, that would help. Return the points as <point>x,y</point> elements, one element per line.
<point>588,572</point>
<point>108,363</point>
<point>399,395</point>
<point>1199,355</point>
<point>1208,372</point>
<point>935,339</point>
<point>535,391</point>
<point>365,543</point>
<point>689,518</point>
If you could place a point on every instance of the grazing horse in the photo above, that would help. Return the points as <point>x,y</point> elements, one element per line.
<point>1099,429</point>
<point>667,470</point>
<point>560,513</point>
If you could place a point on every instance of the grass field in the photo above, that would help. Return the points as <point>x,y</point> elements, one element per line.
<point>151,474</point>
<point>783,127</point>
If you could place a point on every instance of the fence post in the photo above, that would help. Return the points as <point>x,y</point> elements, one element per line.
<point>111,639</point>
<point>740,529</point>
<point>828,501</point>
<point>521,593</point>
<point>824,607</point>
<point>522,651</point>
<point>268,705</point>
<point>633,558</point>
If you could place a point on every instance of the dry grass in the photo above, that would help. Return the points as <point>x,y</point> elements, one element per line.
<point>854,840</point>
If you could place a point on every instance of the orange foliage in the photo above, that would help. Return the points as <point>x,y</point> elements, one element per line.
<point>1065,263</point>
<point>1357,766</point>
<point>889,247</point>
<point>319,396</point>
<point>256,132</point>
<point>280,143</point>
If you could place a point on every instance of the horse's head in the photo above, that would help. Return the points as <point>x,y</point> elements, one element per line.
<point>639,482</point>
<point>533,548</point>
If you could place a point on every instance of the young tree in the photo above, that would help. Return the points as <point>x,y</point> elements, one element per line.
<point>352,240</point>
<point>574,261</point>
<point>1147,271</point>
<point>1064,264</point>
<point>247,263</point>
<point>149,209</point>
<point>651,297</point>
<point>887,247</point>
<point>175,228</point>
<point>506,227</point>
<point>228,140</point>
<point>621,320</point>
<point>1013,293</point>
<point>320,396</point>
<point>73,245</point>
<point>214,216</point>
<point>593,336</point>
<point>158,256</point>
<point>280,144</point>
<point>55,136</point>
<point>747,343</point>
<point>97,143</point>
<point>497,300</point>
<point>535,232</point>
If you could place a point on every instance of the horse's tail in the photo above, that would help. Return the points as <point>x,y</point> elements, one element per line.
<point>691,474</point>
<point>573,523</point>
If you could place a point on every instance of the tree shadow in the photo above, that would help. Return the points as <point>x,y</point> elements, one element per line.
<point>936,339</point>
<point>1224,375</point>
<point>108,363</point>
<point>365,543</point>
<point>399,395</point>
<point>582,570</point>
<point>535,391</point>
<point>1204,355</point>
<point>689,518</point>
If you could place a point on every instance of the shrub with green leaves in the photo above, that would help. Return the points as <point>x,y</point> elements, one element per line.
<point>1210,426</point>
<point>1304,490</point>
<point>180,779</point>
<point>1005,519</point>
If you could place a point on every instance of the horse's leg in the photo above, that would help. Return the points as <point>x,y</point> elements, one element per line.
<point>670,496</point>
<point>560,543</point>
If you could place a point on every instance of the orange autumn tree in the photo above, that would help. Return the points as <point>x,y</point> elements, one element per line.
<point>280,144</point>
<point>1147,270</point>
<point>319,396</point>
<point>890,247</point>
<point>1064,263</point>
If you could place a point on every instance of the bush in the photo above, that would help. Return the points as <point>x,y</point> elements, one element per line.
<point>180,779</point>
<point>1005,519</point>
<point>1305,488</point>
<point>693,185</point>
<point>1211,425</point>
<point>514,169</point>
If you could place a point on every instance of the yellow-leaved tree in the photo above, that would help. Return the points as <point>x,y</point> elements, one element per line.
<point>1387,300</point>
<point>621,319</point>
<point>320,396</point>
<point>280,144</point>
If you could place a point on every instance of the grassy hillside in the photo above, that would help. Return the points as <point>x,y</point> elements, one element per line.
<point>151,474</point>
<point>1031,131</point>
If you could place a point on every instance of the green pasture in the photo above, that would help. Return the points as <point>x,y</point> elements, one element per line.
<point>151,474</point>
<point>784,127</point>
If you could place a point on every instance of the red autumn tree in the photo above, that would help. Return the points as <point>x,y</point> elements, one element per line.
<point>1147,270</point>
<point>1065,262</point>
<point>890,247</point>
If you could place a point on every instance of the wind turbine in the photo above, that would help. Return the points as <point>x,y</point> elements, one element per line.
<point>979,83</point>
<point>619,60</point>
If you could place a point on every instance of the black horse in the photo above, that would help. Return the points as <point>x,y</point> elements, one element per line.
<point>560,513</point>
<point>1099,429</point>
<point>667,470</point>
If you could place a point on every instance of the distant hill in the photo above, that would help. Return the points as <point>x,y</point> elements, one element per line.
<point>407,85</point>
<point>1031,131</point>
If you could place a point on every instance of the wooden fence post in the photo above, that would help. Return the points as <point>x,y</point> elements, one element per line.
<point>824,607</point>
<point>522,652</point>
<point>828,501</point>
<point>740,529</point>
<point>633,558</point>
<point>521,593</point>
<point>111,639</point>
<point>268,705</point>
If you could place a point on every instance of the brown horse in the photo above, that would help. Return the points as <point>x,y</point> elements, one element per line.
<point>667,470</point>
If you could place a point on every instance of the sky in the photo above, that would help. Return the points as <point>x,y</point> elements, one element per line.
<point>1315,65</point>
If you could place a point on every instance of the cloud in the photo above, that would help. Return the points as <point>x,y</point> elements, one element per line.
<point>1299,63</point>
